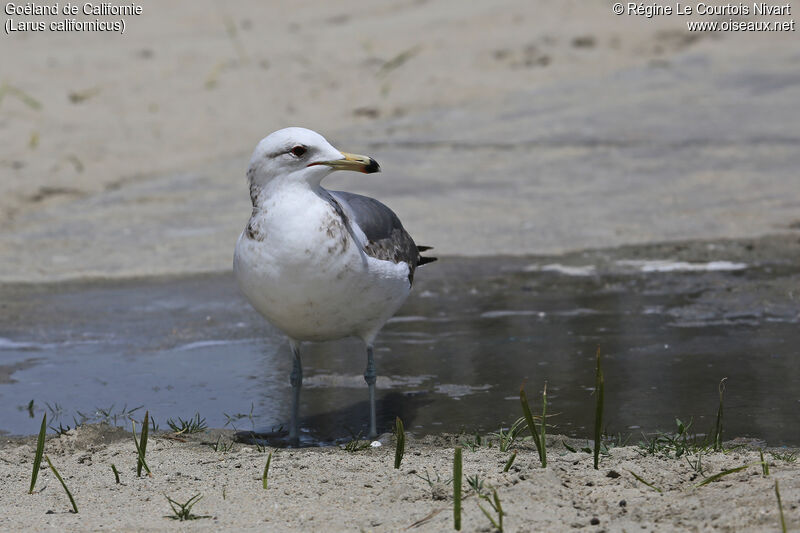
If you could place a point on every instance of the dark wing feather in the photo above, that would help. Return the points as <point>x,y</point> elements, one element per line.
<point>386,238</point>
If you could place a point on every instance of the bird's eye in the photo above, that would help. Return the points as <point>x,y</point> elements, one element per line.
<point>298,151</point>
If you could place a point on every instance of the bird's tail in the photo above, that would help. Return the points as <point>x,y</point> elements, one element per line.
<point>425,260</point>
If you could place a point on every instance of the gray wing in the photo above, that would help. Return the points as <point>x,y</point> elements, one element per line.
<point>386,238</point>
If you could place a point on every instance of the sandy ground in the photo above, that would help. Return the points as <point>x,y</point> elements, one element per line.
<point>330,489</point>
<point>502,127</point>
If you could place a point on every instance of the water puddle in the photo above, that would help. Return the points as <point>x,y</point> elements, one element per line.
<point>453,359</point>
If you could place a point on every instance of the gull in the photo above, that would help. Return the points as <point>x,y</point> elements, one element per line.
<point>320,265</point>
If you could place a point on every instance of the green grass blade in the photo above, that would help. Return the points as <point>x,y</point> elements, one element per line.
<point>139,454</point>
<point>645,482</point>
<point>599,389</point>
<point>58,476</point>
<point>499,509</point>
<point>116,472</point>
<point>265,475</point>
<point>764,464</point>
<point>510,462</point>
<point>494,524</point>
<point>142,449</point>
<point>718,425</point>
<point>401,442</point>
<point>37,459</point>
<point>780,507</point>
<point>24,97</point>
<point>724,473</point>
<point>526,410</point>
<point>174,506</point>
<point>457,477</point>
<point>542,438</point>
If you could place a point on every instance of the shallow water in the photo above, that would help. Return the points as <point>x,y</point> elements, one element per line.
<point>453,359</point>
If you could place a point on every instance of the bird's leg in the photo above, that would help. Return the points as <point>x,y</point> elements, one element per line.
<point>370,377</point>
<point>296,379</point>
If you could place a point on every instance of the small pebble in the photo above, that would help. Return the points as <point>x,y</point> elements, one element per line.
<point>623,503</point>
<point>594,521</point>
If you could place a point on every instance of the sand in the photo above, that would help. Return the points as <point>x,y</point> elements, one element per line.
<point>526,127</point>
<point>331,489</point>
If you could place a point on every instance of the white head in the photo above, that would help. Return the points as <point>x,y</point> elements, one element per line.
<point>299,154</point>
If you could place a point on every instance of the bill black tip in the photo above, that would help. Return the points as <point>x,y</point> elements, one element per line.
<point>373,166</point>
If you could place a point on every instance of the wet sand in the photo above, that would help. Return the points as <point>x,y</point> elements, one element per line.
<point>671,320</point>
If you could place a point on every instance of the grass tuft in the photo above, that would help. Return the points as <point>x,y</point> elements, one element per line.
<point>677,444</point>
<point>475,483</point>
<point>400,444</point>
<point>599,389</point>
<point>788,457</point>
<point>433,482</point>
<point>183,511</point>
<point>764,464</point>
<point>265,475</point>
<point>192,425</point>
<point>356,444</point>
<point>457,477</point>
<point>37,459</point>
<point>60,430</point>
<point>238,416</point>
<point>697,464</point>
<point>116,473</point>
<point>472,443</point>
<point>506,438</point>
<point>58,476</point>
<point>221,446</point>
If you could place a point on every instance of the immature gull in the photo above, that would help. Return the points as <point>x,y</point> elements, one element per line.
<point>319,264</point>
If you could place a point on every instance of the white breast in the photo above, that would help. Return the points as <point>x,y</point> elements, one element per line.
<point>300,268</point>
